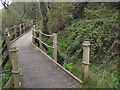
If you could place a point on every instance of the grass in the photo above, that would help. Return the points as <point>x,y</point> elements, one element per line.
<point>104,78</point>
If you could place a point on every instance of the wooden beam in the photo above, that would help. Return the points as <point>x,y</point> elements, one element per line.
<point>24,27</point>
<point>85,62</point>
<point>20,29</point>
<point>15,71</point>
<point>40,36</point>
<point>55,46</point>
<point>9,83</point>
<point>15,31</point>
<point>8,39</point>
<point>63,69</point>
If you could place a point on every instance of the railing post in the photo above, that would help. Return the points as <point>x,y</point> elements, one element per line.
<point>36,22</point>
<point>31,23</point>
<point>20,29</point>
<point>8,42</point>
<point>55,46</point>
<point>15,71</point>
<point>85,62</point>
<point>33,34</point>
<point>24,27</point>
<point>40,36</point>
<point>8,39</point>
<point>15,31</point>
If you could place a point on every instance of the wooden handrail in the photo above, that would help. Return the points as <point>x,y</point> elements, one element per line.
<point>12,54</point>
<point>85,62</point>
<point>41,42</point>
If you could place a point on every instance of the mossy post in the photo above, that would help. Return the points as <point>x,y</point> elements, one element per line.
<point>15,71</point>
<point>55,46</point>
<point>40,36</point>
<point>85,62</point>
<point>20,29</point>
<point>15,32</point>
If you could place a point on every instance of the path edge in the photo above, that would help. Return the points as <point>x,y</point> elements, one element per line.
<point>19,36</point>
<point>63,69</point>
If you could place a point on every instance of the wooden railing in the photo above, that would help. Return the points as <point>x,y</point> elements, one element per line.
<point>9,52</point>
<point>41,43</point>
<point>86,51</point>
<point>17,31</point>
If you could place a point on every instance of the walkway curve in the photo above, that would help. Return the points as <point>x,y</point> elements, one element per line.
<point>38,71</point>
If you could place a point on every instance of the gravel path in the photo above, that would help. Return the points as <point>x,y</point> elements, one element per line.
<point>38,71</point>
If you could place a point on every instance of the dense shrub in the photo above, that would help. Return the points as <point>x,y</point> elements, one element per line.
<point>58,15</point>
<point>102,33</point>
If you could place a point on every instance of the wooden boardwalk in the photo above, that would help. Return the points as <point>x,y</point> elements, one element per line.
<point>38,71</point>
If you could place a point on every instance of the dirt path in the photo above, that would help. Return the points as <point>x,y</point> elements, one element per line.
<point>38,71</point>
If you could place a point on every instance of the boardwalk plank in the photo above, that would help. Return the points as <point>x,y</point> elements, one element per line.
<point>38,71</point>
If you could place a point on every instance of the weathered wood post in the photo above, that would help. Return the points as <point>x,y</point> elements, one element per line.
<point>15,31</point>
<point>24,27</point>
<point>8,39</point>
<point>15,71</point>
<point>34,34</point>
<point>8,42</point>
<point>40,36</point>
<point>85,62</point>
<point>31,23</point>
<point>55,46</point>
<point>36,22</point>
<point>20,29</point>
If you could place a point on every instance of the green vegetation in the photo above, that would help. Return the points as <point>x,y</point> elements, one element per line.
<point>100,26</point>
<point>75,23</point>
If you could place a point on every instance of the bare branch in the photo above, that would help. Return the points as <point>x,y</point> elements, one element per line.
<point>5,3</point>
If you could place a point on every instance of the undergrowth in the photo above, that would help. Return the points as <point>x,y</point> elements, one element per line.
<point>96,31</point>
<point>101,29</point>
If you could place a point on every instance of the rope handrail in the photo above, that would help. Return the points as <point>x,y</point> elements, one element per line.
<point>22,23</point>
<point>9,37</point>
<point>17,26</point>
<point>43,42</point>
<point>18,30</point>
<point>44,33</point>
<point>12,27</point>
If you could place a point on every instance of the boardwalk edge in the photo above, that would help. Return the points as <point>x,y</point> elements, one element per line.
<point>19,36</point>
<point>63,69</point>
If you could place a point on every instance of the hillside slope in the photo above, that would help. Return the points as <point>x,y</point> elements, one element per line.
<point>103,36</point>
<point>100,26</point>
